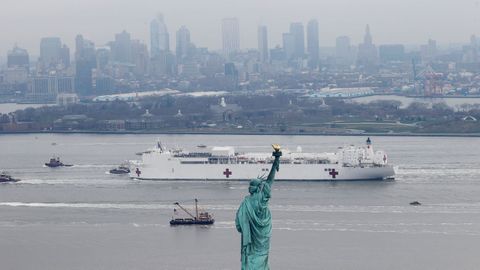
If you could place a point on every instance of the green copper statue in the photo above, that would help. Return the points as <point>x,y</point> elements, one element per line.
<point>254,220</point>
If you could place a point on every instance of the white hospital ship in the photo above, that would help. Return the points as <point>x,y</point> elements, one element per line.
<point>225,164</point>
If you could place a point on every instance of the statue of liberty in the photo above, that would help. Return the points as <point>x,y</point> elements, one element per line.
<point>254,220</point>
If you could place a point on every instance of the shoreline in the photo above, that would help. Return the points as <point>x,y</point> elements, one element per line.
<point>452,135</point>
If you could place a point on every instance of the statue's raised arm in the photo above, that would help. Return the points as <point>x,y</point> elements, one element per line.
<point>276,163</point>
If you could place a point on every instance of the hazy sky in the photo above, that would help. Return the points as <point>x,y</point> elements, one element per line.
<point>391,21</point>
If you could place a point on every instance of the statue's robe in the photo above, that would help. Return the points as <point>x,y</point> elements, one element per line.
<point>253,221</point>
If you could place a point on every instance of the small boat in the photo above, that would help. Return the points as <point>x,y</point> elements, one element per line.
<point>5,178</point>
<point>201,146</point>
<point>120,170</point>
<point>415,203</point>
<point>200,218</point>
<point>55,162</point>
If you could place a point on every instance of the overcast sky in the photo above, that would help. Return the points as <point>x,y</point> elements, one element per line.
<point>391,21</point>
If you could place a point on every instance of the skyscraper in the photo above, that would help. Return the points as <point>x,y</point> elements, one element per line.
<point>429,51</point>
<point>263,43</point>
<point>298,33</point>
<point>183,43</point>
<point>122,48</point>
<point>159,37</point>
<point>65,56</point>
<point>367,52</point>
<point>140,58</point>
<point>18,58</point>
<point>85,61</point>
<point>343,51</point>
<point>313,46</point>
<point>50,51</point>
<point>288,45</point>
<point>230,36</point>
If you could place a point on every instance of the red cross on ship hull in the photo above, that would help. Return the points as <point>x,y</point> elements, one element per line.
<point>227,173</point>
<point>333,173</point>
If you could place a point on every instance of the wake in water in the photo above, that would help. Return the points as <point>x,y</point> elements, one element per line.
<point>463,208</point>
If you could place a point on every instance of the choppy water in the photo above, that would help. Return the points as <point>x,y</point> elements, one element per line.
<point>82,218</point>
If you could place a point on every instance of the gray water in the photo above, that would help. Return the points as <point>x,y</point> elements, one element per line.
<point>83,218</point>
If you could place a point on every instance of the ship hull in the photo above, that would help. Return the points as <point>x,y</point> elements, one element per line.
<point>169,170</point>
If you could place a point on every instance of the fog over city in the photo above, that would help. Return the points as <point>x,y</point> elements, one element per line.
<point>392,21</point>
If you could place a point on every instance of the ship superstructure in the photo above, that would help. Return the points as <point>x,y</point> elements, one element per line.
<point>224,163</point>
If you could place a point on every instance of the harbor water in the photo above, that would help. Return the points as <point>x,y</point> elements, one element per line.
<point>81,217</point>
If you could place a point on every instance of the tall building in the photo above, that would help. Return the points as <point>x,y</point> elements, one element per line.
<point>298,33</point>
<point>313,44</point>
<point>183,43</point>
<point>367,52</point>
<point>140,58</point>
<point>18,58</point>
<point>429,51</point>
<point>159,37</point>
<point>263,43</point>
<point>230,36</point>
<point>85,62</point>
<point>122,48</point>
<point>288,46</point>
<point>65,56</point>
<point>343,51</point>
<point>470,52</point>
<point>50,51</point>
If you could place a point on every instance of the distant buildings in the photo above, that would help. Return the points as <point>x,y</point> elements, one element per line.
<point>53,54</point>
<point>230,36</point>
<point>129,65</point>
<point>313,44</point>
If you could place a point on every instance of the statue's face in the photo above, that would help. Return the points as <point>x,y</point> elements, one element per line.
<point>254,184</point>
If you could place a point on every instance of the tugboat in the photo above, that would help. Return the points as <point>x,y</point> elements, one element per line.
<point>202,218</point>
<point>122,169</point>
<point>55,162</point>
<point>5,177</point>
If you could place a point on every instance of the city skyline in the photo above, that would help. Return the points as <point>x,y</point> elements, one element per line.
<point>206,30</point>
